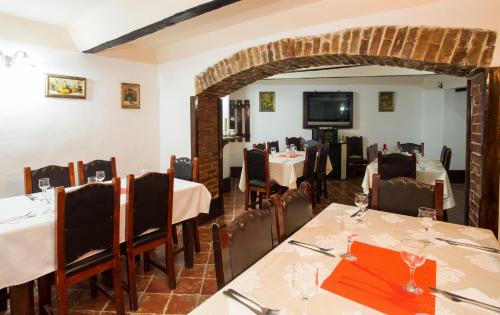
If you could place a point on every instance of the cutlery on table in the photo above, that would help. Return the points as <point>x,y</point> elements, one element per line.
<point>459,298</point>
<point>324,251</point>
<point>13,219</point>
<point>30,197</point>
<point>240,298</point>
<point>451,242</point>
<point>356,213</point>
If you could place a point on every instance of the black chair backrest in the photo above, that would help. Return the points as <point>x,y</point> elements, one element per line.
<point>239,245</point>
<point>256,168</point>
<point>311,143</point>
<point>396,165</point>
<point>410,147</point>
<point>372,152</point>
<point>323,158</point>
<point>274,144</point>
<point>443,154</point>
<point>296,141</point>
<point>310,161</point>
<point>447,159</point>
<point>57,175</point>
<point>405,196</point>
<point>89,220</point>
<point>151,202</point>
<point>260,146</point>
<point>354,146</point>
<point>183,168</point>
<point>90,168</point>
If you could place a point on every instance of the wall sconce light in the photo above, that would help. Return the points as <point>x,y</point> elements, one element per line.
<point>19,58</point>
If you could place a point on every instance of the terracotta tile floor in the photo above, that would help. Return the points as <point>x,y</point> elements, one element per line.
<point>197,284</point>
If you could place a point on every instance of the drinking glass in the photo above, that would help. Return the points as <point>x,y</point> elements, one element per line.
<point>287,148</point>
<point>428,219</point>
<point>99,176</point>
<point>412,253</point>
<point>273,150</point>
<point>91,179</point>
<point>361,201</point>
<point>44,184</point>
<point>293,148</point>
<point>349,227</point>
<point>305,282</point>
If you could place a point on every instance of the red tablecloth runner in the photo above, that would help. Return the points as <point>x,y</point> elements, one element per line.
<point>292,156</point>
<point>375,280</point>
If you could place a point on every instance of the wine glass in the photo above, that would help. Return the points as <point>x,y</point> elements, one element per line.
<point>412,253</point>
<point>428,219</point>
<point>293,148</point>
<point>349,227</point>
<point>273,150</point>
<point>361,201</point>
<point>91,180</point>
<point>305,281</point>
<point>99,176</point>
<point>44,184</point>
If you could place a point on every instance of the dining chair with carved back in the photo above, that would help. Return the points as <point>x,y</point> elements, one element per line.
<point>274,144</point>
<point>371,152</point>
<point>309,174</point>
<point>58,176</point>
<point>443,154</point>
<point>186,169</point>
<point>397,165</point>
<point>297,141</point>
<point>89,169</point>
<point>293,210</point>
<point>260,146</point>
<point>149,225</point>
<point>447,159</point>
<point>410,147</point>
<point>257,177</point>
<point>87,239</point>
<point>240,244</point>
<point>320,174</point>
<point>355,160</point>
<point>404,195</point>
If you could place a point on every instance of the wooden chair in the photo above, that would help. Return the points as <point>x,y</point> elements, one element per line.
<point>410,147</point>
<point>274,144</point>
<point>187,169</point>
<point>293,210</point>
<point>239,245</point>
<point>89,169</point>
<point>57,175</point>
<point>355,160</point>
<point>299,142</point>
<point>311,143</point>
<point>309,175</point>
<point>397,165</point>
<point>149,224</point>
<point>371,152</point>
<point>87,219</point>
<point>320,176</point>
<point>443,154</point>
<point>257,177</point>
<point>405,195</point>
<point>260,146</point>
<point>447,159</point>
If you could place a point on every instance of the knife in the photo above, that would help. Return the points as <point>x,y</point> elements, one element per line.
<point>458,298</point>
<point>451,242</point>
<point>310,248</point>
<point>234,297</point>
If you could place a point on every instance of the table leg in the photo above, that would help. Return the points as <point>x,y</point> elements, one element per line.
<point>21,299</point>
<point>44,292</point>
<point>187,238</point>
<point>4,297</point>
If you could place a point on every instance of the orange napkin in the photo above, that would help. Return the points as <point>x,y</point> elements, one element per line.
<point>375,280</point>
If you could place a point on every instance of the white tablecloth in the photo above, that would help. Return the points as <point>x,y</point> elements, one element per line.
<point>284,170</point>
<point>27,246</point>
<point>459,269</point>
<point>428,170</point>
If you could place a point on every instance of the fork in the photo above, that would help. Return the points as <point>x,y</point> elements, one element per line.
<point>263,310</point>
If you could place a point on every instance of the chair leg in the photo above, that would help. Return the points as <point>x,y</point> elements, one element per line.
<point>326,190</point>
<point>117,286</point>
<point>132,288</point>
<point>62,297</point>
<point>253,198</point>
<point>196,234</point>
<point>260,200</point>
<point>247,192</point>
<point>174,234</point>
<point>44,284</point>
<point>3,299</point>
<point>169,264</point>
<point>93,286</point>
<point>147,265</point>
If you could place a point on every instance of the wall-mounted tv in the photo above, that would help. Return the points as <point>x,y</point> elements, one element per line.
<point>328,109</point>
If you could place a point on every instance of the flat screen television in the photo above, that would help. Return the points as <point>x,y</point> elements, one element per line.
<point>328,109</point>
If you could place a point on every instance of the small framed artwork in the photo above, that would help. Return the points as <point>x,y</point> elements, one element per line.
<point>65,86</point>
<point>386,102</point>
<point>266,102</point>
<point>131,95</point>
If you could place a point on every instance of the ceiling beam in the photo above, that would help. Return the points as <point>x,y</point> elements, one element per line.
<point>167,22</point>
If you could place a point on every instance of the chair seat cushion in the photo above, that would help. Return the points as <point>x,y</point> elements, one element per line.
<point>149,237</point>
<point>259,183</point>
<point>89,262</point>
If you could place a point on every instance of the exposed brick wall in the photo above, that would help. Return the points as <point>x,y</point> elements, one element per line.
<point>441,50</point>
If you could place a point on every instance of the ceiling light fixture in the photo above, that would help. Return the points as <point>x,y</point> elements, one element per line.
<point>19,58</point>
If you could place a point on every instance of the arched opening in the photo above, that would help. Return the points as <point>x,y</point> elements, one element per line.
<point>454,51</point>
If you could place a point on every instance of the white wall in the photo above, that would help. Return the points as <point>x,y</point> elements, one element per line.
<point>455,126</point>
<point>38,131</point>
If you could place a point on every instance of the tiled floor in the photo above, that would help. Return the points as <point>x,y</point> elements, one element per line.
<point>197,284</point>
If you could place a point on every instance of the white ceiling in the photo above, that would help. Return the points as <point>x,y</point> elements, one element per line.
<point>55,12</point>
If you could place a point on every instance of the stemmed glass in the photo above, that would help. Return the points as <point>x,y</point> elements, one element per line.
<point>44,185</point>
<point>349,227</point>
<point>305,281</point>
<point>412,253</point>
<point>99,176</point>
<point>293,148</point>
<point>361,201</point>
<point>428,219</point>
<point>273,150</point>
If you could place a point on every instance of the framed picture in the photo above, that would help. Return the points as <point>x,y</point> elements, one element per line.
<point>266,102</point>
<point>386,102</point>
<point>131,95</point>
<point>66,86</point>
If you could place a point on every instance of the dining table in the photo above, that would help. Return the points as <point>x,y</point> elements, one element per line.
<point>428,171</point>
<point>373,283</point>
<point>27,235</point>
<point>285,168</point>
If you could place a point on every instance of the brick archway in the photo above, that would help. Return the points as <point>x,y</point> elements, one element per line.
<point>454,51</point>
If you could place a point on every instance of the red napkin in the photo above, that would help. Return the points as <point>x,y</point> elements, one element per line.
<point>123,191</point>
<point>375,280</point>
